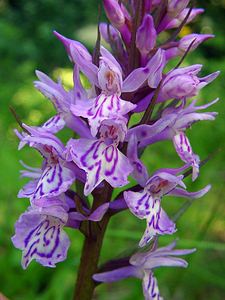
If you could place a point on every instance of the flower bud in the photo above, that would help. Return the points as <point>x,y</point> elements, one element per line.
<point>108,32</point>
<point>146,35</point>
<point>183,82</point>
<point>114,12</point>
<point>185,85</point>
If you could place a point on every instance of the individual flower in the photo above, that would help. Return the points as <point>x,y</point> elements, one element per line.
<point>172,125</point>
<point>146,204</point>
<point>141,265</point>
<point>56,174</point>
<point>62,100</point>
<point>101,158</point>
<point>39,234</point>
<point>180,83</point>
<point>184,83</point>
<point>111,84</point>
<point>108,102</point>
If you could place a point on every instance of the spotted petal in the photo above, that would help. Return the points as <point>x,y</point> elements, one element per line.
<point>139,203</point>
<point>150,286</point>
<point>41,237</point>
<point>158,223</point>
<point>99,161</point>
<point>54,180</point>
<point>28,189</point>
<point>144,206</point>
<point>185,152</point>
<point>54,124</point>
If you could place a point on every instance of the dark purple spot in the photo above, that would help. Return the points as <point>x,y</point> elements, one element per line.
<point>143,133</point>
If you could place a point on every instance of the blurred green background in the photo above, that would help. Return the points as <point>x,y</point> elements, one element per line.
<point>26,44</point>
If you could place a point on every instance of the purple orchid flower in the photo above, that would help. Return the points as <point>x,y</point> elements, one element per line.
<point>141,265</point>
<point>172,125</point>
<point>108,102</point>
<point>101,158</point>
<point>40,235</point>
<point>109,146</point>
<point>183,82</point>
<point>56,174</point>
<point>147,204</point>
<point>112,85</point>
<point>62,100</point>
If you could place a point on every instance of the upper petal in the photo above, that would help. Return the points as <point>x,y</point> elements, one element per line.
<point>152,71</point>
<point>116,275</point>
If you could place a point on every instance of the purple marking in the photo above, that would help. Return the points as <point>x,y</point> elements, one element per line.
<point>109,153</point>
<point>98,171</point>
<point>83,157</point>
<point>113,168</point>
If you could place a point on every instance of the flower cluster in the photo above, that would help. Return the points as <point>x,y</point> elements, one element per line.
<point>129,80</point>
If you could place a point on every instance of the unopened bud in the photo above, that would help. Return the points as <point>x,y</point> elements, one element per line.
<point>114,12</point>
<point>146,35</point>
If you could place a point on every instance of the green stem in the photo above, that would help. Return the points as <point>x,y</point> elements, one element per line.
<point>85,285</point>
<point>88,264</point>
